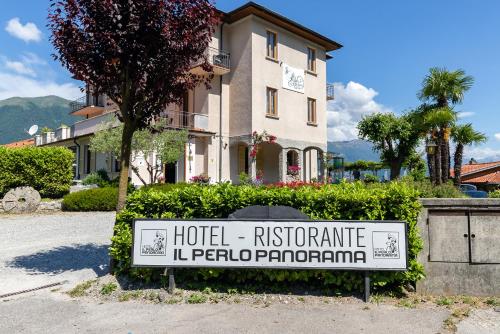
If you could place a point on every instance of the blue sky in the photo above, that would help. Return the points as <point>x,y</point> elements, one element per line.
<point>388,48</point>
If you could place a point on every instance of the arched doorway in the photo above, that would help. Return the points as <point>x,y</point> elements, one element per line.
<point>293,166</point>
<point>268,162</point>
<point>314,165</point>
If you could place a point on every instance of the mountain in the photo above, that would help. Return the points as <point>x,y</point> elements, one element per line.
<point>17,114</point>
<point>354,150</point>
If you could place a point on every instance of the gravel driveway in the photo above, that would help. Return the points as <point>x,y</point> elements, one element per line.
<point>42,249</point>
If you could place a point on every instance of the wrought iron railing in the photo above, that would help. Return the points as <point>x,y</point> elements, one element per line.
<point>330,91</point>
<point>217,58</point>
<point>87,101</point>
<point>185,120</point>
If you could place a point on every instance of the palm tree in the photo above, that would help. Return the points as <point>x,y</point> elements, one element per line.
<point>443,87</point>
<point>463,135</point>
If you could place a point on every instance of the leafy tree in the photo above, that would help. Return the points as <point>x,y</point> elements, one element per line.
<point>156,145</point>
<point>138,53</point>
<point>463,135</point>
<point>437,122</point>
<point>416,166</point>
<point>395,138</point>
<point>443,88</point>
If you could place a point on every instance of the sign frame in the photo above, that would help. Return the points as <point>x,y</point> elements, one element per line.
<point>275,221</point>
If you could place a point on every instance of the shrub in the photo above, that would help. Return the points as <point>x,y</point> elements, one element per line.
<point>100,178</point>
<point>47,169</point>
<point>370,178</point>
<point>99,199</point>
<point>428,190</point>
<point>341,202</point>
<point>494,194</point>
<point>164,187</point>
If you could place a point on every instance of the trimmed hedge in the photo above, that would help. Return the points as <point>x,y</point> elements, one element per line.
<point>494,194</point>
<point>98,199</point>
<point>353,201</point>
<point>47,169</point>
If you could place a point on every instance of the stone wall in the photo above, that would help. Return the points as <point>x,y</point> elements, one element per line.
<point>50,206</point>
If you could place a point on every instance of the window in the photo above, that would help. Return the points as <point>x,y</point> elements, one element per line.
<point>311,111</point>
<point>311,59</point>
<point>292,158</point>
<point>88,158</point>
<point>272,44</point>
<point>272,102</point>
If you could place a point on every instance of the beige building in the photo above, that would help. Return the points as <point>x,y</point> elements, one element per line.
<point>270,76</point>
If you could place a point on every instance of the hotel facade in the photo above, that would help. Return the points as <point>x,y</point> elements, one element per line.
<point>269,76</point>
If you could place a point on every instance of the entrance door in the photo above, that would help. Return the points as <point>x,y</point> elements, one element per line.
<point>171,173</point>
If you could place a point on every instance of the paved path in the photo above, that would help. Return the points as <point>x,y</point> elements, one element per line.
<point>36,250</point>
<point>57,314</point>
<point>44,249</point>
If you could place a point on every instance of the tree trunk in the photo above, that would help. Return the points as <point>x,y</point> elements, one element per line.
<point>126,151</point>
<point>431,164</point>
<point>438,162</point>
<point>395,169</point>
<point>445,160</point>
<point>458,164</point>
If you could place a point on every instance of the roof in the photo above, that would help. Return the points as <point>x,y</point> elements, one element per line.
<point>491,178</point>
<point>251,8</point>
<point>487,172</point>
<point>21,143</point>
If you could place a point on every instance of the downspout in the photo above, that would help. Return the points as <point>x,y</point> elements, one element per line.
<point>221,43</point>
<point>78,148</point>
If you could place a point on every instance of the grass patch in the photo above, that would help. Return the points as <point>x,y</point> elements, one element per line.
<point>81,289</point>
<point>444,301</point>
<point>108,289</point>
<point>493,302</point>
<point>129,296</point>
<point>197,298</point>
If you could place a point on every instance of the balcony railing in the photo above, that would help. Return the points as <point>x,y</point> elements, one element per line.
<point>91,125</point>
<point>185,120</point>
<point>330,92</point>
<point>87,101</point>
<point>220,60</point>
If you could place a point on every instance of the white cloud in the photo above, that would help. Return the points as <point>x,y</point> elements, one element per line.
<point>28,32</point>
<point>465,114</point>
<point>481,154</point>
<point>20,68</point>
<point>497,136</point>
<point>352,102</point>
<point>17,85</point>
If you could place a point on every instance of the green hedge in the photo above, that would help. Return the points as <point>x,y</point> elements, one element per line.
<point>345,201</point>
<point>99,199</point>
<point>494,194</point>
<point>49,169</point>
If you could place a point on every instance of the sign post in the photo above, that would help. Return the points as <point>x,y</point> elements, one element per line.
<point>275,244</point>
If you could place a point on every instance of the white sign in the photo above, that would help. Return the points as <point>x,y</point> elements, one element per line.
<point>363,245</point>
<point>293,78</point>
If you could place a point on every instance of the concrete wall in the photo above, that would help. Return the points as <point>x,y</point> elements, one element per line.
<point>461,252</point>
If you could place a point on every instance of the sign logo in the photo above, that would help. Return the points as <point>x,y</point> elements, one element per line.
<point>153,242</point>
<point>385,245</point>
<point>293,79</point>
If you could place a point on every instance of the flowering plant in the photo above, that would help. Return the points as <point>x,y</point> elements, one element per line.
<point>293,170</point>
<point>258,139</point>
<point>200,179</point>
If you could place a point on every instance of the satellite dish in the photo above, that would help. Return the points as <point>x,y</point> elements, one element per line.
<point>33,130</point>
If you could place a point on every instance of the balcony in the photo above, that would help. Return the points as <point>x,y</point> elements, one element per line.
<point>185,120</point>
<point>220,60</point>
<point>90,125</point>
<point>330,92</point>
<point>89,105</point>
